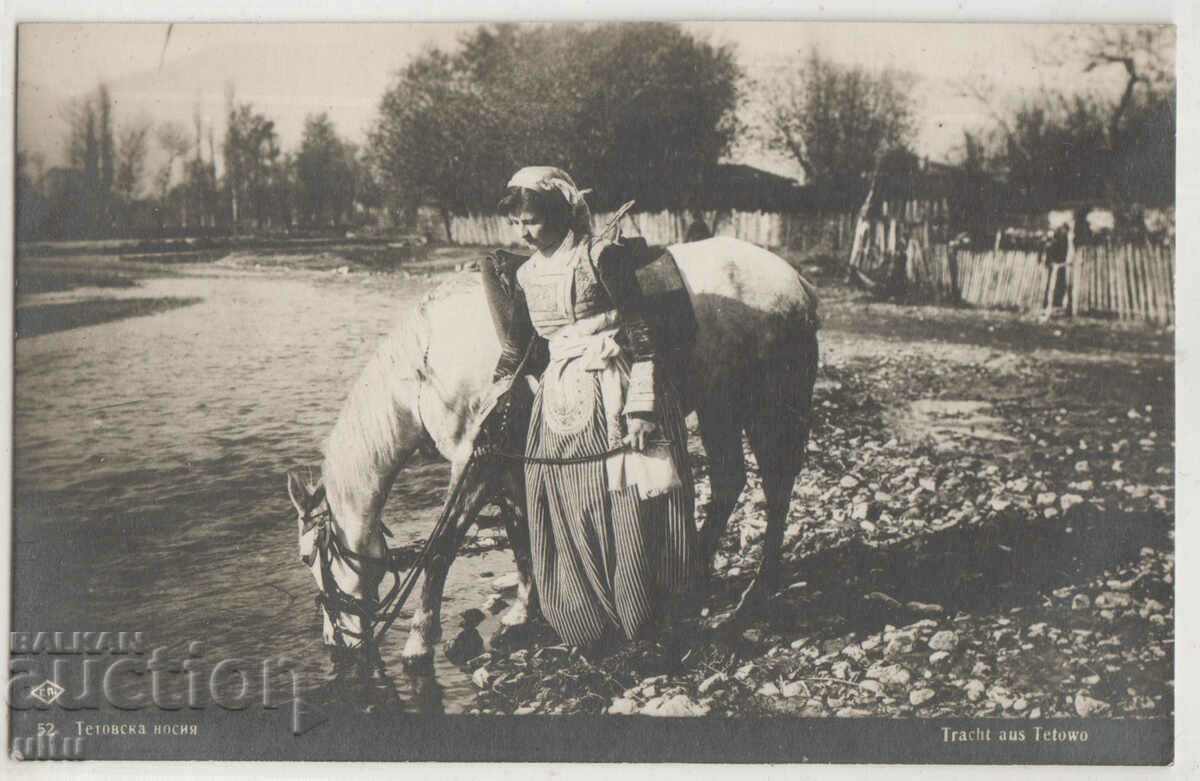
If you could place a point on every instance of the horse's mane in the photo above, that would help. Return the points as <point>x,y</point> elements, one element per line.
<point>362,447</point>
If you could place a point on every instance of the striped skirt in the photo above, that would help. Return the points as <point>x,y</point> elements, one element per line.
<point>605,561</point>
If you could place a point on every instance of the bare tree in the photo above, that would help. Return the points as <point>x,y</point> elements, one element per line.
<point>838,121</point>
<point>132,148</point>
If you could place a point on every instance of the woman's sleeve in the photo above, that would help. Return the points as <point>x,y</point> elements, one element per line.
<point>617,274</point>
<point>510,313</point>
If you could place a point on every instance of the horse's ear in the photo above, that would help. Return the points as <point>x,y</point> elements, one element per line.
<point>297,492</point>
<point>317,497</point>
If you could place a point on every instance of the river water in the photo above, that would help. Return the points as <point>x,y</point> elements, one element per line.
<point>150,456</point>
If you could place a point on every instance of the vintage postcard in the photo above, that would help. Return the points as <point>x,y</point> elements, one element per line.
<point>692,392</point>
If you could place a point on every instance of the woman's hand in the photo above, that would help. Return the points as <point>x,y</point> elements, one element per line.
<point>640,431</point>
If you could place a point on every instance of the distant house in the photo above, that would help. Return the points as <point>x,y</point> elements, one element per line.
<point>736,186</point>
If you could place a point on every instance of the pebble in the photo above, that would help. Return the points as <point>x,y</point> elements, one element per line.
<point>511,580</point>
<point>1047,499</point>
<point>898,646</point>
<point>1020,704</point>
<point>753,636</point>
<point>840,670</point>
<point>1067,501</point>
<point>937,657</point>
<point>494,604</point>
<point>1113,599</point>
<point>981,670</point>
<point>1086,706</point>
<point>1081,466</point>
<point>711,681</point>
<point>744,671</point>
<point>974,689</point>
<point>928,483</point>
<point>1080,602</point>
<point>1001,696</point>
<point>925,608</point>
<point>799,643</point>
<point>920,696</point>
<point>768,690</point>
<point>875,687</point>
<point>793,689</point>
<point>1152,606</point>
<point>853,713</point>
<point>481,677</point>
<point>849,481</point>
<point>871,643</point>
<point>946,640</point>
<point>854,652</point>
<point>524,710</point>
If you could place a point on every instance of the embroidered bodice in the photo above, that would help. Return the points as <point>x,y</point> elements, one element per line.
<point>562,288</point>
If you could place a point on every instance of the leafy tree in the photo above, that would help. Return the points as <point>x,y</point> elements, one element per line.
<point>325,173</point>
<point>639,111</point>
<point>174,145</point>
<point>251,154</point>
<point>838,122</point>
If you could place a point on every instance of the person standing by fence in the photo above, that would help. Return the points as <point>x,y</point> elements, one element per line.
<point>1058,254</point>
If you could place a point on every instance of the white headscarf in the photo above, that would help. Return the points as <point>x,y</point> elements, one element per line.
<point>547,177</point>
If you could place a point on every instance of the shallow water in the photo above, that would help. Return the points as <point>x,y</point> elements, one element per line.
<point>150,459</point>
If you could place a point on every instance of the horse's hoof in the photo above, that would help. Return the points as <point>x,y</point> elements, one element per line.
<point>416,652</point>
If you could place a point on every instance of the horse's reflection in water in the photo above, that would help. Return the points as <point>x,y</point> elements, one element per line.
<point>371,688</point>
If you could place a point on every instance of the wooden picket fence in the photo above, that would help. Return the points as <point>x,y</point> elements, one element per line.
<point>766,229</point>
<point>1131,281</point>
<point>1128,281</point>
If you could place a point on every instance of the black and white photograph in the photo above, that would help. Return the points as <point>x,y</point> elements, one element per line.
<point>594,391</point>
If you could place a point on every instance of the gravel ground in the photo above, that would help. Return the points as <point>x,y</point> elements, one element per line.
<point>985,528</point>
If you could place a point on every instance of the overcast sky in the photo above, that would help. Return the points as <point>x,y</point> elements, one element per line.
<point>290,70</point>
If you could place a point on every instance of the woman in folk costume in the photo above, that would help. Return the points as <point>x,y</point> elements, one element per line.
<point>612,534</point>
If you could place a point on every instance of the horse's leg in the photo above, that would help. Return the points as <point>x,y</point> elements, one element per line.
<point>721,433</point>
<point>425,629</point>
<point>778,430</point>
<point>512,510</point>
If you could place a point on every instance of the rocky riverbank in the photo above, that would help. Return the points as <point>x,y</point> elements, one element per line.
<point>985,528</point>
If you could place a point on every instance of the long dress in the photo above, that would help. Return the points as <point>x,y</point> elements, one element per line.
<point>611,548</point>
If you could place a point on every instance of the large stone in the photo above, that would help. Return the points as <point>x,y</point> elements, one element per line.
<point>920,696</point>
<point>889,674</point>
<point>623,706</point>
<point>768,690</point>
<point>974,689</point>
<point>677,705</point>
<point>946,640</point>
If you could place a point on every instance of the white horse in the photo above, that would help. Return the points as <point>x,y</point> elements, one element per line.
<point>752,369</point>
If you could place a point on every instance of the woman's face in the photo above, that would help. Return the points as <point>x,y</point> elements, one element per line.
<point>537,232</point>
